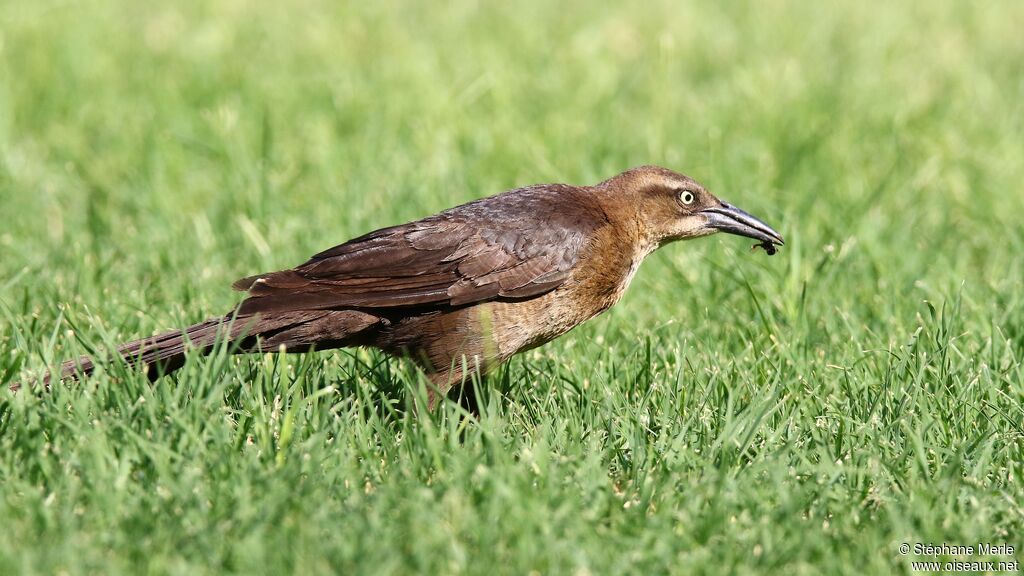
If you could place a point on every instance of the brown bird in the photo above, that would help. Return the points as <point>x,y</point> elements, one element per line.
<point>469,287</point>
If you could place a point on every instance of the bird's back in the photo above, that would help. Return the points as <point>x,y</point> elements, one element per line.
<point>516,245</point>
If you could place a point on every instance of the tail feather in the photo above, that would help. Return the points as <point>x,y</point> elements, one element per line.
<point>295,331</point>
<point>165,352</point>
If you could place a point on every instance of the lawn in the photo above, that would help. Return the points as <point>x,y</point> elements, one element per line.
<point>801,414</point>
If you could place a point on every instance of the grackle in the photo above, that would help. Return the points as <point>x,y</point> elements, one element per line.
<point>469,287</point>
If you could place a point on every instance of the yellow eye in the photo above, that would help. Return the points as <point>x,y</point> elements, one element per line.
<point>686,197</point>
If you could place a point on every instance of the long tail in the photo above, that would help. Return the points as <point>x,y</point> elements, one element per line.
<point>296,331</point>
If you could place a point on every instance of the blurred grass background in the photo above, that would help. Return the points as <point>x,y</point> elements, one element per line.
<point>801,414</point>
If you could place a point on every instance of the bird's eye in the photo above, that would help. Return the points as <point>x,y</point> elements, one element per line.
<point>686,197</point>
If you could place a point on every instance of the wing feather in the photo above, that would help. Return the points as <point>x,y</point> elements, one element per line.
<point>515,245</point>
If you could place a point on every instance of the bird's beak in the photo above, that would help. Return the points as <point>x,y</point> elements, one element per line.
<point>728,218</point>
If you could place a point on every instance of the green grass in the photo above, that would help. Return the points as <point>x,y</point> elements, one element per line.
<point>800,414</point>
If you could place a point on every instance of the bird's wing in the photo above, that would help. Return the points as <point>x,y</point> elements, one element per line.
<point>515,245</point>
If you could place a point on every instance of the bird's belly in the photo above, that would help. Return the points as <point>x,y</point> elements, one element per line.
<point>491,332</point>
<point>518,326</point>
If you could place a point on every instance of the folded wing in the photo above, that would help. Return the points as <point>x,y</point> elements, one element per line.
<point>519,244</point>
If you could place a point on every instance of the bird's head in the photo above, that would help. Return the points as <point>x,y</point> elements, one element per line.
<point>669,206</point>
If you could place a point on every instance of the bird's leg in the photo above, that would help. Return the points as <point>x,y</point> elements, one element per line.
<point>444,382</point>
<point>437,388</point>
<point>457,383</point>
<point>466,393</point>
